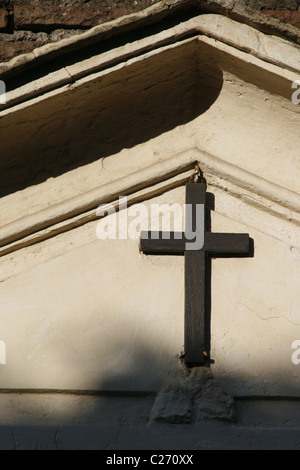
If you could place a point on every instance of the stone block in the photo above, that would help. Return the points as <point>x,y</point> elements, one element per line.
<point>198,398</point>
<point>172,406</point>
<point>214,403</point>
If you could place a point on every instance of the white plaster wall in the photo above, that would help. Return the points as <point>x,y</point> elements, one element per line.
<point>83,314</point>
<point>255,315</point>
<point>98,316</point>
<point>89,314</point>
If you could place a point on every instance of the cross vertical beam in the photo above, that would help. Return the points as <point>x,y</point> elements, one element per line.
<point>194,318</point>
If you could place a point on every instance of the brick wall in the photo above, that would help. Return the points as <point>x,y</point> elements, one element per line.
<point>27,24</point>
<point>287,11</point>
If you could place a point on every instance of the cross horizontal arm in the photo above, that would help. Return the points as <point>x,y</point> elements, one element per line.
<point>227,243</point>
<point>153,243</point>
<point>174,243</point>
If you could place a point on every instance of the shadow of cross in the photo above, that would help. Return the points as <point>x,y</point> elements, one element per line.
<point>197,274</point>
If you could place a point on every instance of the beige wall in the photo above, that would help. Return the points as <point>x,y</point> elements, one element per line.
<point>98,314</point>
<point>79,313</point>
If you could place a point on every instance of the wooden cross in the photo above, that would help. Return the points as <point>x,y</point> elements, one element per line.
<point>197,270</point>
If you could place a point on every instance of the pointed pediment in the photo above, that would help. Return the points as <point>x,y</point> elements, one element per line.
<point>208,83</point>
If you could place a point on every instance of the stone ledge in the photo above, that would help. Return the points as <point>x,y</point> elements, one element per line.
<point>204,435</point>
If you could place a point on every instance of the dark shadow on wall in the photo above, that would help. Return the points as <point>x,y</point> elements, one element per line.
<point>118,110</point>
<point>123,395</point>
<point>117,416</point>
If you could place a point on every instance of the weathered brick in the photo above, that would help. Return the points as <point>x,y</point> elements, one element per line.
<point>8,50</point>
<point>273,4</point>
<point>43,17</point>
<point>3,20</point>
<point>291,17</point>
